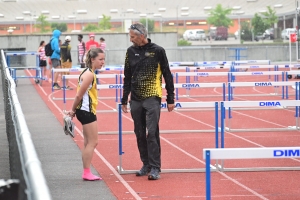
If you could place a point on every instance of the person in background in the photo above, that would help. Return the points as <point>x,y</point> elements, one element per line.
<point>55,57</point>
<point>91,43</point>
<point>84,107</point>
<point>145,64</point>
<point>66,59</point>
<point>81,51</point>
<point>102,44</point>
<point>43,60</point>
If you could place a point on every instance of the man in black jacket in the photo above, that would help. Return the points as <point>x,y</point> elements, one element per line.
<point>66,59</point>
<point>145,64</point>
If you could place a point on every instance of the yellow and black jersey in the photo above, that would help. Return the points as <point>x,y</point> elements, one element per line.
<point>65,52</point>
<point>143,71</point>
<point>89,100</point>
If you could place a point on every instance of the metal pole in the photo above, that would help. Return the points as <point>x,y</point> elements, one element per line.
<point>177,20</point>
<point>240,33</point>
<point>161,24</point>
<point>147,23</point>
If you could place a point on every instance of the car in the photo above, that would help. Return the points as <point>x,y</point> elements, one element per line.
<point>269,34</point>
<point>195,34</point>
<point>285,34</point>
<point>200,35</point>
<point>259,36</point>
<point>212,33</point>
<point>221,33</point>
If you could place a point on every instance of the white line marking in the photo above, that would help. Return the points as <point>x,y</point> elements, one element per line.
<point>37,84</point>
<point>126,185</point>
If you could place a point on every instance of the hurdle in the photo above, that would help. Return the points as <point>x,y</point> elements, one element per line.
<point>179,105</point>
<point>283,84</point>
<point>13,70</point>
<point>258,104</point>
<point>257,73</point>
<point>197,86</point>
<point>76,76</point>
<point>200,74</point>
<point>247,153</point>
<point>199,63</point>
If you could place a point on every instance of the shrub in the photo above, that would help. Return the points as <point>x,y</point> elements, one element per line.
<point>183,42</point>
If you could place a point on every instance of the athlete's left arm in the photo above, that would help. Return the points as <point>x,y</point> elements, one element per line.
<point>164,65</point>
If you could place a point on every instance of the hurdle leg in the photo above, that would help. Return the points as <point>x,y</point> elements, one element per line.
<point>207,175</point>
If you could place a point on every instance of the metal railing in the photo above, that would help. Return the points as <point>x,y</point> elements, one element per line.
<point>24,163</point>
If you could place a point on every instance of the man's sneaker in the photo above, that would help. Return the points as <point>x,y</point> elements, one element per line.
<point>144,170</point>
<point>69,126</point>
<point>154,173</point>
<point>56,86</point>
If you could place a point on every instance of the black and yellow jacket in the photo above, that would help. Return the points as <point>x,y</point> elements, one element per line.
<point>65,52</point>
<point>143,71</point>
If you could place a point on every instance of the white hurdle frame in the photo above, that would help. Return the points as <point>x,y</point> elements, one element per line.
<point>231,85</point>
<point>183,105</point>
<point>238,104</point>
<point>201,74</point>
<point>247,153</point>
<point>104,86</point>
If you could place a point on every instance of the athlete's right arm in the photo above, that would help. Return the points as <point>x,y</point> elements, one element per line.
<point>86,79</point>
<point>127,81</point>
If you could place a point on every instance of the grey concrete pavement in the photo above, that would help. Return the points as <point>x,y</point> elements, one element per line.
<point>59,155</point>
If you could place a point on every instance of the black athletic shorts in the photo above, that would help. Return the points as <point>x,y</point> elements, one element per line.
<point>43,63</point>
<point>85,117</point>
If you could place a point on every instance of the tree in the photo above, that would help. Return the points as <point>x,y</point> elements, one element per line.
<point>91,28</point>
<point>258,24</point>
<point>59,26</point>
<point>104,23</point>
<point>218,16</point>
<point>150,24</point>
<point>42,24</point>
<point>270,17</point>
<point>246,34</point>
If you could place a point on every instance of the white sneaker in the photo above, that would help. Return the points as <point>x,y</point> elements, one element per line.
<point>69,126</point>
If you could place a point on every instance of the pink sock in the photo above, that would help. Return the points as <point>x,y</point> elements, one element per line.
<point>88,176</point>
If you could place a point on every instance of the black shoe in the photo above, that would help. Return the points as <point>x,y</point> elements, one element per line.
<point>154,174</point>
<point>144,170</point>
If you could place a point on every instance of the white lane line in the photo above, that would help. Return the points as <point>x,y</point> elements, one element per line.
<point>38,84</point>
<point>126,185</point>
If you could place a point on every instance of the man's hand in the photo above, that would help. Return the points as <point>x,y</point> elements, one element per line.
<point>124,108</point>
<point>171,107</point>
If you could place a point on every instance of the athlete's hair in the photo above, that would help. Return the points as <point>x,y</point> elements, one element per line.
<point>92,53</point>
<point>42,42</point>
<point>80,36</point>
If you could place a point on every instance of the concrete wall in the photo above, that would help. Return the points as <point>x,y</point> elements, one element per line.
<point>118,43</point>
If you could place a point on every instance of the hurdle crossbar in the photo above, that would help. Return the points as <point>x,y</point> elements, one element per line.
<point>275,84</point>
<point>198,86</point>
<point>181,105</point>
<point>246,153</point>
<point>257,104</point>
<point>267,62</point>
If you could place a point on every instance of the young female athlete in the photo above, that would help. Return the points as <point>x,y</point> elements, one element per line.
<point>84,107</point>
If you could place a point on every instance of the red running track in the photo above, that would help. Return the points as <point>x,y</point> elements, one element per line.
<point>184,150</point>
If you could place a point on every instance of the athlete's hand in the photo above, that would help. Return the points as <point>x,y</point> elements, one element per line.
<point>171,107</point>
<point>124,108</point>
<point>71,113</point>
